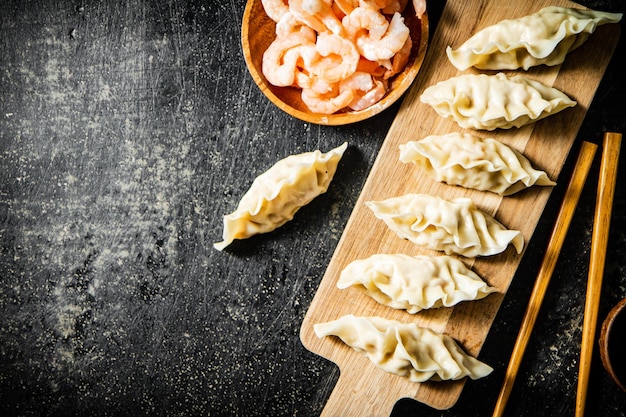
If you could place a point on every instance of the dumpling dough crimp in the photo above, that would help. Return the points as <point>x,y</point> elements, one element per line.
<point>545,37</point>
<point>483,164</point>
<point>405,349</point>
<point>276,195</point>
<point>453,226</point>
<point>414,283</point>
<point>489,102</point>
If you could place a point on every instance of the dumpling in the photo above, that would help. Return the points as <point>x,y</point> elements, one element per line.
<point>545,37</point>
<point>452,226</point>
<point>488,102</point>
<point>277,194</point>
<point>414,283</point>
<point>405,349</point>
<point>472,162</point>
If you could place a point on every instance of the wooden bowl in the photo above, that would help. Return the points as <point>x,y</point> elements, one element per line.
<point>613,344</point>
<point>257,33</point>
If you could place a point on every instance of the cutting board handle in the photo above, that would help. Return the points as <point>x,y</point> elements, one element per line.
<point>352,398</point>
<point>359,394</point>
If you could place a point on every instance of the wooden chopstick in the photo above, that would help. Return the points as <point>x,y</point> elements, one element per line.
<point>566,212</point>
<point>599,238</point>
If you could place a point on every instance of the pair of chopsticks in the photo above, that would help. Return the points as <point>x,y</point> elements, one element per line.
<point>599,239</point>
<point>604,203</point>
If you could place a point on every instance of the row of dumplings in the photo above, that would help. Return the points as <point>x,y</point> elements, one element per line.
<point>485,102</point>
<point>474,101</point>
<point>488,102</point>
<point>426,282</point>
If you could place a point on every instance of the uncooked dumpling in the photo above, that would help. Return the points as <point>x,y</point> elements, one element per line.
<point>452,226</point>
<point>414,283</point>
<point>488,102</point>
<point>545,37</point>
<point>277,194</point>
<point>405,349</point>
<point>472,162</point>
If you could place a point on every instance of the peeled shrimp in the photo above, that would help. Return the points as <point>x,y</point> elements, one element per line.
<point>289,24</point>
<point>339,52</point>
<point>314,83</point>
<point>275,9</point>
<point>400,59</point>
<point>391,42</point>
<point>321,21</point>
<point>338,58</point>
<point>359,81</point>
<point>327,103</point>
<point>280,60</point>
<point>312,6</point>
<point>366,89</point>
<point>346,6</point>
<point>365,22</point>
<point>370,97</point>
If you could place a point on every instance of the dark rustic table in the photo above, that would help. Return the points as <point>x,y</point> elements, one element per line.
<point>127,130</point>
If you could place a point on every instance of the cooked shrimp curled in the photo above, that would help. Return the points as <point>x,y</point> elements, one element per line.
<point>340,53</point>
<point>281,59</point>
<point>387,45</point>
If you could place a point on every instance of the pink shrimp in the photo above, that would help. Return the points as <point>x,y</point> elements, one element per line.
<point>315,84</point>
<point>304,78</point>
<point>322,20</point>
<point>282,57</point>
<point>370,97</point>
<point>385,47</point>
<point>337,60</point>
<point>400,59</point>
<point>365,22</point>
<point>359,81</point>
<point>327,103</point>
<point>289,24</point>
<point>366,89</point>
<point>314,6</point>
<point>275,9</point>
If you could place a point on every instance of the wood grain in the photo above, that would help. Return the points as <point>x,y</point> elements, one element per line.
<point>600,237</point>
<point>362,388</point>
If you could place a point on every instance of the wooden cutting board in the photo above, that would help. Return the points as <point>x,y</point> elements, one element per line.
<point>362,388</point>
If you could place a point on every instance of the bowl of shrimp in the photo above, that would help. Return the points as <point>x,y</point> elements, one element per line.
<point>334,62</point>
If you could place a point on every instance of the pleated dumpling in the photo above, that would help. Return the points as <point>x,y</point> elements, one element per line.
<point>545,37</point>
<point>452,226</point>
<point>277,194</point>
<point>488,102</point>
<point>414,283</point>
<point>405,349</point>
<point>472,162</point>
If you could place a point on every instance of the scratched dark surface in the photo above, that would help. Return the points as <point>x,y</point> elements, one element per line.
<point>127,130</point>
